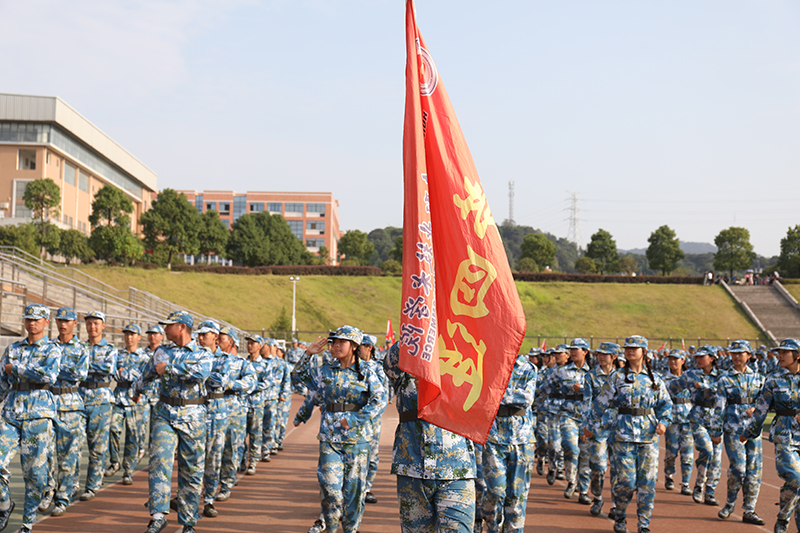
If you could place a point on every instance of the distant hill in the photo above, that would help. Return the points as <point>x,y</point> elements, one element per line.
<point>687,247</point>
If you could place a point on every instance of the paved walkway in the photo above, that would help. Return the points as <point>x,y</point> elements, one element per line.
<point>283,496</point>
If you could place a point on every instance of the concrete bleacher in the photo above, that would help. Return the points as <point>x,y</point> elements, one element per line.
<point>777,312</point>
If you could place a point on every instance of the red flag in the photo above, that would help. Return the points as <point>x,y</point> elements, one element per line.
<point>683,345</point>
<point>544,344</point>
<point>462,321</point>
<point>663,346</point>
<point>389,332</point>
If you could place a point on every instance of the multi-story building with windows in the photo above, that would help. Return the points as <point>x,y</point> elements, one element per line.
<point>42,137</point>
<point>312,216</point>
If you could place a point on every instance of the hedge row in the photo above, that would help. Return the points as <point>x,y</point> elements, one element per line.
<point>283,270</point>
<point>599,278</point>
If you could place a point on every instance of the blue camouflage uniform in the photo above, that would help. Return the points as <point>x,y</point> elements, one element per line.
<point>781,394</point>
<point>703,389</point>
<point>97,399</point>
<point>575,406</point>
<point>251,454</point>
<point>243,381</point>
<point>124,412</point>
<point>28,413</point>
<point>642,402</point>
<point>354,394</point>
<point>736,394</point>
<point>285,404</point>
<point>279,380</point>
<point>598,443</point>
<point>149,398</point>
<point>374,446</point>
<point>508,459</point>
<point>293,356</point>
<point>541,431</point>
<point>678,439</point>
<point>435,468</point>
<point>180,424</point>
<point>70,425</point>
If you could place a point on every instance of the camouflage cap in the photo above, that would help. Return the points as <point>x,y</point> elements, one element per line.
<point>347,333</point>
<point>677,354</point>
<point>36,312</point>
<point>207,326</point>
<point>230,332</point>
<point>132,328</point>
<point>740,346</point>
<point>66,313</point>
<point>610,348</point>
<point>178,317</point>
<point>636,341</point>
<point>155,328</point>
<point>583,344</point>
<point>95,314</point>
<point>790,344</point>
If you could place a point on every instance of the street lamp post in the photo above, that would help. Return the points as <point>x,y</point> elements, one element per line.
<point>294,280</point>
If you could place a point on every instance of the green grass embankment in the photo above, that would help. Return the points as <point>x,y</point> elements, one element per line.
<point>552,309</point>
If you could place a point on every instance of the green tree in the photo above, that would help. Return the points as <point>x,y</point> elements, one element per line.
<point>789,260</point>
<point>74,245</point>
<point>23,236</point>
<point>603,251</point>
<point>282,325</point>
<point>628,264</point>
<point>527,264</point>
<point>538,247</point>
<point>173,224</point>
<point>43,197</point>
<point>664,252</point>
<point>212,236</point>
<point>355,247</point>
<point>264,239</point>
<point>585,265</point>
<point>383,239</point>
<point>111,207</point>
<point>390,266</point>
<point>396,253</point>
<point>734,251</point>
<point>324,255</point>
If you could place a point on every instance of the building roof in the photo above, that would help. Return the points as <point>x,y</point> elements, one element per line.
<point>29,108</point>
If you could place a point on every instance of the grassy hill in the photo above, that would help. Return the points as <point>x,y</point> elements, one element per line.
<point>553,310</point>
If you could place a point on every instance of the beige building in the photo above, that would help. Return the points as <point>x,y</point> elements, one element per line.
<point>312,216</point>
<point>43,137</point>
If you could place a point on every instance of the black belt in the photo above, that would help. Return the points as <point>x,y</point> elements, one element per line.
<point>409,416</point>
<point>231,393</point>
<point>573,397</point>
<point>506,410</point>
<point>215,395</point>
<point>180,402</point>
<point>635,411</point>
<point>786,412</point>
<point>95,384</point>
<point>124,384</point>
<point>708,404</point>
<point>30,386</point>
<point>682,400</point>
<point>340,407</point>
<point>741,402</point>
<point>63,390</point>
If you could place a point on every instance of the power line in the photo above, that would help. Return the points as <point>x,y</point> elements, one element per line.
<point>575,234</point>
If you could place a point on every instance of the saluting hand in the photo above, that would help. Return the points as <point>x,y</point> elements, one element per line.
<point>317,346</point>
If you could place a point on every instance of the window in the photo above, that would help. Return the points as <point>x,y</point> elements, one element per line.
<point>257,207</point>
<point>274,207</point>
<point>198,202</point>
<point>211,206</point>
<point>297,228</point>
<point>294,208</point>
<point>83,181</point>
<point>316,208</point>
<point>26,159</point>
<point>69,173</point>
<point>315,243</point>
<point>224,208</point>
<point>47,157</point>
<point>20,209</point>
<point>239,207</point>
<point>315,225</point>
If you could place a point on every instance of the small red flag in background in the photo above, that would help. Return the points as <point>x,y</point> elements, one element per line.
<point>544,344</point>
<point>462,323</point>
<point>389,332</point>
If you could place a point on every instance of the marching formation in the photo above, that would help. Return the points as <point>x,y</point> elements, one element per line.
<point>569,413</point>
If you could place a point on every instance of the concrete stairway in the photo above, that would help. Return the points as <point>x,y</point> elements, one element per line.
<point>775,308</point>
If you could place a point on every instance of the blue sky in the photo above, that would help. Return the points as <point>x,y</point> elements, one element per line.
<point>682,113</point>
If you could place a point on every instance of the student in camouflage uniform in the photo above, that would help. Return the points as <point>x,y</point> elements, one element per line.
<point>702,381</point>
<point>607,362</point>
<point>180,422</point>
<point>508,458</point>
<point>29,367</point>
<point>284,402</point>
<point>251,452</point>
<point>130,363</point>
<point>216,413</point>
<point>781,393</point>
<point>644,410</point>
<point>97,399</point>
<point>350,395</point>
<point>572,384</point>
<point>366,352</point>
<point>737,391</point>
<point>243,381</point>
<point>293,356</point>
<point>279,389</point>
<point>149,399</point>
<point>542,415</point>
<point>435,468</point>
<point>678,439</point>
<point>553,404</point>
<point>70,426</point>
